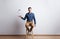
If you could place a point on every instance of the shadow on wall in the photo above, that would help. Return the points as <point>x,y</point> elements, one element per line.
<point>18,26</point>
<point>57,26</point>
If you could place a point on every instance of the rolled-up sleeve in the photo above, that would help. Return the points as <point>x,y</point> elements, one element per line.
<point>24,17</point>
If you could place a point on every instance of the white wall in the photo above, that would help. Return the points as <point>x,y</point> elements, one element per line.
<point>46,11</point>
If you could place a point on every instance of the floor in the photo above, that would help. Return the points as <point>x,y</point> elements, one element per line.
<point>35,37</point>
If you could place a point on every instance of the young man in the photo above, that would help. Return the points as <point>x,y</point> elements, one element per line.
<point>30,17</point>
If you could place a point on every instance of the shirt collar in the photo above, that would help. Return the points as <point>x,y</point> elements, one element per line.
<point>29,13</point>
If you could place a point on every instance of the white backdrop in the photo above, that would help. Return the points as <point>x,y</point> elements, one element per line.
<point>46,11</point>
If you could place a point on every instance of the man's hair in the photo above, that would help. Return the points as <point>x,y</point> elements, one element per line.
<point>29,8</point>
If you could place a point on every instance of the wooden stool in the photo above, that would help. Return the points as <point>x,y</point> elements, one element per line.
<point>29,34</point>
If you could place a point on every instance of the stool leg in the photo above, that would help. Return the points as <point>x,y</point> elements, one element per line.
<point>32,34</point>
<point>26,35</point>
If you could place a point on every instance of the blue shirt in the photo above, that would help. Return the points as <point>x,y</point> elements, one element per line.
<point>30,17</point>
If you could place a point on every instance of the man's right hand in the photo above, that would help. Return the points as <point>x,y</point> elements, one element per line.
<point>20,16</point>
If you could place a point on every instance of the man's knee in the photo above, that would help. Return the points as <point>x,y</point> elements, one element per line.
<point>26,25</point>
<point>32,25</point>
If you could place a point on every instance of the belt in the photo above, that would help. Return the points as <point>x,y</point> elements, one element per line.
<point>29,21</point>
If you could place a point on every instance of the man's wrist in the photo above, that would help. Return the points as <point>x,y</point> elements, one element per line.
<point>21,17</point>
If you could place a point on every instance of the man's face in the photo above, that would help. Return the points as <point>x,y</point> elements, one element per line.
<point>30,10</point>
